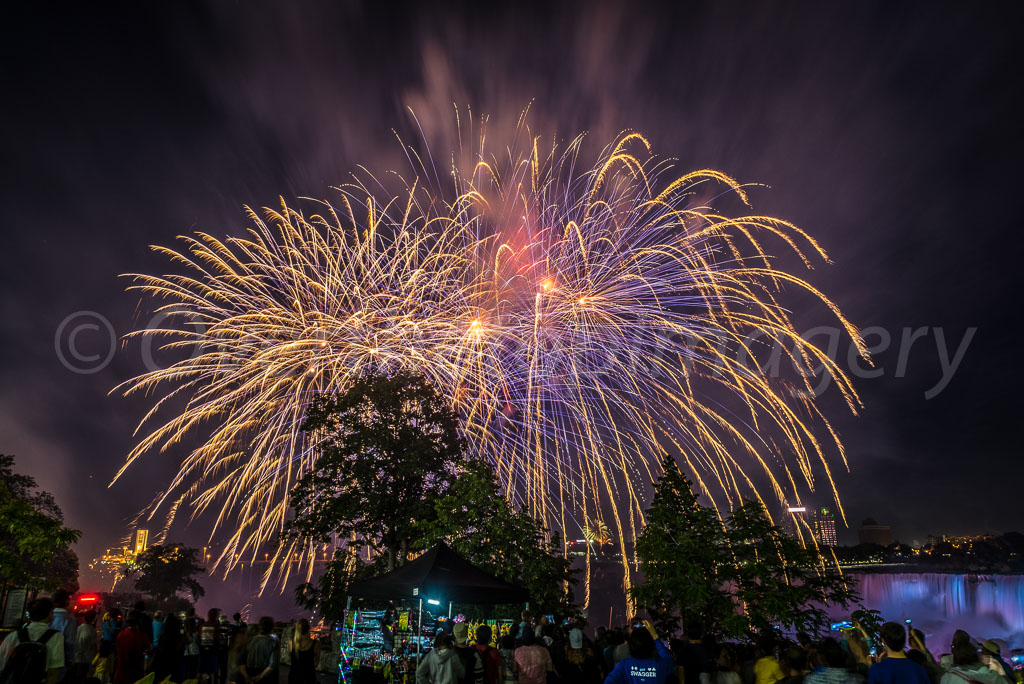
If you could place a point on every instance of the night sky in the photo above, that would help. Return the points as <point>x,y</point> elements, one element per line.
<point>887,132</point>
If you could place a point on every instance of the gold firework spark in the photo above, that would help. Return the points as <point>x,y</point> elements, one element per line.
<point>583,324</point>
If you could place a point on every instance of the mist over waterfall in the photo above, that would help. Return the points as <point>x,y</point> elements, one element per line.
<point>986,606</point>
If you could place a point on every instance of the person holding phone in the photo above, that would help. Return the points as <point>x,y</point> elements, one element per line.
<point>649,660</point>
<point>896,668</point>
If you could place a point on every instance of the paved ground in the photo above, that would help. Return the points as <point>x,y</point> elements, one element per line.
<point>322,678</point>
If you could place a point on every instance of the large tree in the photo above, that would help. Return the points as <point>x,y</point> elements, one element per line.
<point>165,571</point>
<point>393,478</point>
<point>35,546</point>
<point>387,448</point>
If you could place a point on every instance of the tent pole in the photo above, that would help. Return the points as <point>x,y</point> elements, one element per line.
<point>419,634</point>
<point>348,609</point>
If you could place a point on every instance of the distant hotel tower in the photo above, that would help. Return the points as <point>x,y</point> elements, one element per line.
<point>141,541</point>
<point>819,522</point>
<point>870,532</point>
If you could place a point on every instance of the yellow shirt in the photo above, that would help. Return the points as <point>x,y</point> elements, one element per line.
<point>102,665</point>
<point>767,671</point>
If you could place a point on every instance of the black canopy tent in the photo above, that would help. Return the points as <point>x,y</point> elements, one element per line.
<point>442,575</point>
<point>439,575</point>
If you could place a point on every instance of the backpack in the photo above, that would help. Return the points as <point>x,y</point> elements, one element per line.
<point>964,677</point>
<point>27,662</point>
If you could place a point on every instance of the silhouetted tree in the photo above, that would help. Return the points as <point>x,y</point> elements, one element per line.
<point>165,571</point>
<point>35,546</point>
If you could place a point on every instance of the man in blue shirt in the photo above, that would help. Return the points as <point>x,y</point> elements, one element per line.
<point>895,668</point>
<point>65,623</point>
<point>648,662</point>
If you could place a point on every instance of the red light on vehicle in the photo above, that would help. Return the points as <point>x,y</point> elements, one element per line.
<point>87,599</point>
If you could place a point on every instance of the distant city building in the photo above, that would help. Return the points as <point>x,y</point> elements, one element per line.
<point>870,532</point>
<point>966,540</point>
<point>825,527</point>
<point>794,521</point>
<point>141,541</point>
<point>114,561</point>
<point>819,523</point>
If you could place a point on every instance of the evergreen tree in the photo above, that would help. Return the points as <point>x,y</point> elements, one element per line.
<point>739,578</point>
<point>683,554</point>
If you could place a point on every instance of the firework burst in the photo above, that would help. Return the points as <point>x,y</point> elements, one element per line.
<point>582,323</point>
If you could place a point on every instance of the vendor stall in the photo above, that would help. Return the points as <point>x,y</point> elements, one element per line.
<point>428,586</point>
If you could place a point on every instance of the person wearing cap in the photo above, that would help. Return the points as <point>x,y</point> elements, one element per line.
<point>967,668</point>
<point>465,654</point>
<point>992,656</point>
<point>576,662</point>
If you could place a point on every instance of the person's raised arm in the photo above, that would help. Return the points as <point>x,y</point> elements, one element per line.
<point>916,642</point>
<point>650,629</point>
<point>660,646</point>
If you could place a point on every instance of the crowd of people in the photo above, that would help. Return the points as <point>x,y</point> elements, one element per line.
<point>57,646</point>
<point>544,653</point>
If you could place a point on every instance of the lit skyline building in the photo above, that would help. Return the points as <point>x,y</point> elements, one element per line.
<point>825,527</point>
<point>819,523</point>
<point>141,541</point>
<point>115,560</point>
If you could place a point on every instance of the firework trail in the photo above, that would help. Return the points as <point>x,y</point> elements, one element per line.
<point>583,323</point>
